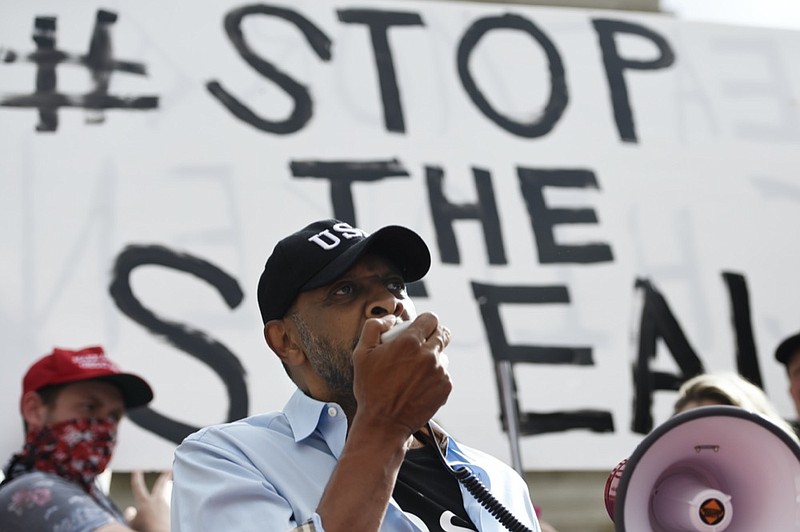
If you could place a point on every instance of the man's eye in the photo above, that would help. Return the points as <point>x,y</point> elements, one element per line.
<point>397,286</point>
<point>345,289</point>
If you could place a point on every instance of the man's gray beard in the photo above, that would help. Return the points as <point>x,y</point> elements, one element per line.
<point>334,364</point>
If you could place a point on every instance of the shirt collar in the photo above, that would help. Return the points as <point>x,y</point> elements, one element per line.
<point>308,416</point>
<point>303,413</point>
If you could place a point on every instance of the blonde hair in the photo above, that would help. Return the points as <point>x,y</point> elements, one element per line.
<point>733,390</point>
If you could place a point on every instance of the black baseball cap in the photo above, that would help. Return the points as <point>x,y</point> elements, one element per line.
<point>322,251</point>
<point>787,348</point>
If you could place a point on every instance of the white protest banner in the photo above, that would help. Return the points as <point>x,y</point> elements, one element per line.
<point>610,200</point>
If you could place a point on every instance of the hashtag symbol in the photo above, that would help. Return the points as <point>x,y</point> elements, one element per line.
<point>100,62</point>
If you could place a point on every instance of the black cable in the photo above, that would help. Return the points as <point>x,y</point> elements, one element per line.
<point>477,489</point>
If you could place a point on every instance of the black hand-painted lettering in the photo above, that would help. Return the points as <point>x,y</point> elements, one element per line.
<point>44,35</point>
<point>342,174</point>
<point>559,97</point>
<point>657,321</point>
<point>416,290</point>
<point>489,298</point>
<point>303,105</point>
<point>100,62</point>
<point>191,341</point>
<point>615,67</point>
<point>746,354</point>
<point>379,23</point>
<point>484,210</point>
<point>544,219</point>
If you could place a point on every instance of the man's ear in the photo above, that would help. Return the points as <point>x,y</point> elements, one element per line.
<point>34,410</point>
<point>280,337</point>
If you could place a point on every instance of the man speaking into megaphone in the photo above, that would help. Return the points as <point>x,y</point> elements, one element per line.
<point>353,448</point>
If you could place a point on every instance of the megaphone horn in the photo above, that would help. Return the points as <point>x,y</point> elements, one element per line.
<point>709,469</point>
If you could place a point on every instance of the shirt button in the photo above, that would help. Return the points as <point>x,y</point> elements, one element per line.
<point>332,412</point>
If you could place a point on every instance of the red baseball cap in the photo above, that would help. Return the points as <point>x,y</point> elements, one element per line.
<point>63,366</point>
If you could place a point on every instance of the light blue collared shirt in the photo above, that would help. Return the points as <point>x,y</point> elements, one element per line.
<point>268,472</point>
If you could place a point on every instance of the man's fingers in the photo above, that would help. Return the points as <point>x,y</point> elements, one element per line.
<point>138,487</point>
<point>130,513</point>
<point>162,482</point>
<point>372,330</point>
<point>446,336</point>
<point>441,336</point>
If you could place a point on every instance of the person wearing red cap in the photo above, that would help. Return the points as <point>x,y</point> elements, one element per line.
<point>72,402</point>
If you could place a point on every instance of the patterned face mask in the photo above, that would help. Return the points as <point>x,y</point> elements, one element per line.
<point>77,450</point>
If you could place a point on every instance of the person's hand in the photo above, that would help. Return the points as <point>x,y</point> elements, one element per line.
<point>398,386</point>
<point>403,382</point>
<point>151,513</point>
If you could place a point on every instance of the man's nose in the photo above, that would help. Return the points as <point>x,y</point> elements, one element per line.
<point>384,302</point>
